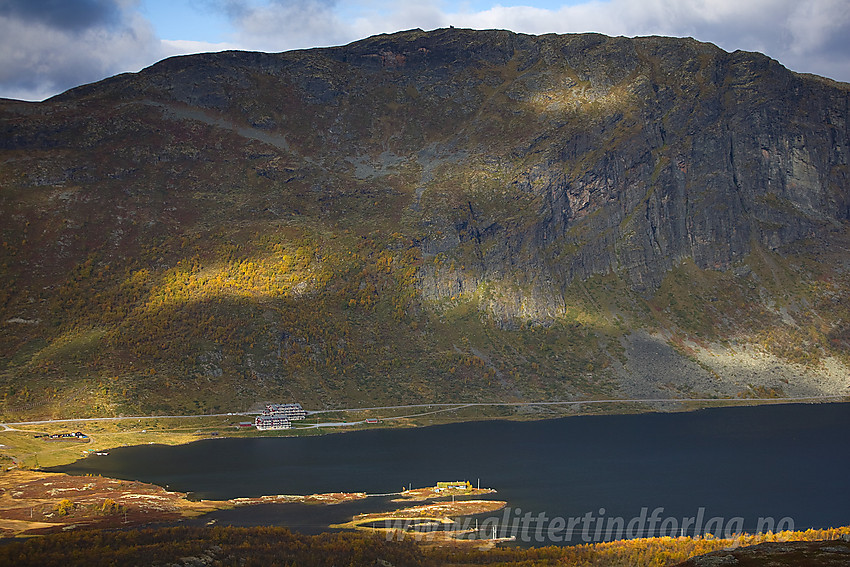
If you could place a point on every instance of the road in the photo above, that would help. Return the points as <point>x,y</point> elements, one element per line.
<point>7,426</point>
<point>444,407</point>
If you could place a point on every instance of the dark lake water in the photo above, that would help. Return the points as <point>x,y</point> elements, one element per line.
<point>724,469</point>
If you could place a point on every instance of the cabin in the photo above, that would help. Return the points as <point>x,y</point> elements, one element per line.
<point>455,485</point>
<point>77,436</point>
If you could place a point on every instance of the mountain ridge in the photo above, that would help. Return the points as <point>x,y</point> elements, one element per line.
<point>426,214</point>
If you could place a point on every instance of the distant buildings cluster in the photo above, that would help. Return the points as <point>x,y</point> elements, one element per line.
<point>76,436</point>
<point>279,416</point>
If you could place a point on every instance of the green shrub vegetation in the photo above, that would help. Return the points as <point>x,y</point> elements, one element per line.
<point>263,546</point>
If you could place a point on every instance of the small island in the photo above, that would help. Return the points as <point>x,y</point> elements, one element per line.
<point>434,523</point>
<point>457,488</point>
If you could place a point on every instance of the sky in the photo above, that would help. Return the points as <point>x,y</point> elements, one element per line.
<point>49,46</point>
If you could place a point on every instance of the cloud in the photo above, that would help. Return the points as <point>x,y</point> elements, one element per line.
<point>69,15</point>
<point>184,46</point>
<point>284,24</point>
<point>820,38</point>
<point>44,52</point>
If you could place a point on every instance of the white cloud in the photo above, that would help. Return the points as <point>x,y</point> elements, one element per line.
<point>171,47</point>
<point>287,25</point>
<point>398,16</point>
<point>814,23</point>
<point>41,58</point>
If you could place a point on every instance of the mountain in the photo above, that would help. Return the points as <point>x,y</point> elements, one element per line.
<point>452,215</point>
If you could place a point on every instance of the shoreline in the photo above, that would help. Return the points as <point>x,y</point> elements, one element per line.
<point>155,504</point>
<point>26,455</point>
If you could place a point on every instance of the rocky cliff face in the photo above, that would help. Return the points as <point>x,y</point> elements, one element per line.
<point>632,155</point>
<point>490,169</point>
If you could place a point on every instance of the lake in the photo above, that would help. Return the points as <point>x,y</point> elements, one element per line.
<point>566,481</point>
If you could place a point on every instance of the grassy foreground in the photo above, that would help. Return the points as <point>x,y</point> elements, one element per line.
<point>278,546</point>
<point>20,447</point>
